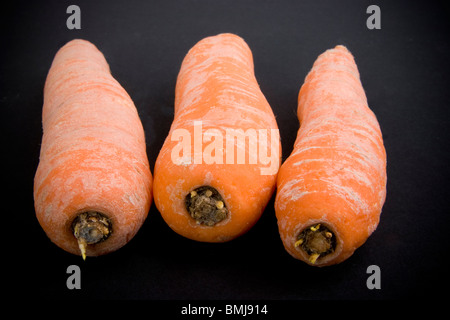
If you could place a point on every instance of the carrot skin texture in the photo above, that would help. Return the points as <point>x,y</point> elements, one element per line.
<point>93,154</point>
<point>336,173</point>
<point>217,86</point>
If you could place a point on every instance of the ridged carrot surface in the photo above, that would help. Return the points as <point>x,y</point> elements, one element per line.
<point>331,189</point>
<point>216,202</point>
<point>93,185</point>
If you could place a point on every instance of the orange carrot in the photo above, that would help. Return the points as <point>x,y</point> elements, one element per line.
<point>331,189</point>
<point>93,185</point>
<point>212,177</point>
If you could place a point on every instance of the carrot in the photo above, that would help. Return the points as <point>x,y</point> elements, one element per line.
<point>213,176</point>
<point>93,185</point>
<point>331,189</point>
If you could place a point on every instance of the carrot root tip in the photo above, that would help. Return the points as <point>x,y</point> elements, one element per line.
<point>82,246</point>
<point>317,241</point>
<point>206,206</point>
<point>313,258</point>
<point>90,228</point>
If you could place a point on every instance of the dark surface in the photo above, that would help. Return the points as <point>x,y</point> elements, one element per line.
<point>404,69</point>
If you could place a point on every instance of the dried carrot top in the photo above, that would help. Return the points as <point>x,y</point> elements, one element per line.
<point>206,205</point>
<point>317,241</point>
<point>90,228</point>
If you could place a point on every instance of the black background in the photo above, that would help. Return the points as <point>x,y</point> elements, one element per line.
<point>404,69</point>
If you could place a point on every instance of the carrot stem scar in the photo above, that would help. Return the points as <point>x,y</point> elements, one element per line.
<point>90,228</point>
<point>317,241</point>
<point>206,206</point>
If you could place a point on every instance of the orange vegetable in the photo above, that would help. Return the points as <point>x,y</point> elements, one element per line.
<point>93,185</point>
<point>211,180</point>
<point>331,189</point>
